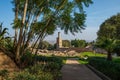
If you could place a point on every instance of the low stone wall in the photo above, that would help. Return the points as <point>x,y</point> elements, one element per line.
<point>76,49</point>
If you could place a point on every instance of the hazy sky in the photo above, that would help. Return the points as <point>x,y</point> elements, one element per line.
<point>97,13</point>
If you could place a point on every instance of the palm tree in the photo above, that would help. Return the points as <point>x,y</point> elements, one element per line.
<point>109,45</point>
<point>3,31</point>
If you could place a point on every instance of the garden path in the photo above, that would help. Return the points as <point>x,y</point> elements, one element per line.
<point>72,70</point>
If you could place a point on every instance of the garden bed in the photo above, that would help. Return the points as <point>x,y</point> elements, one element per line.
<point>109,68</point>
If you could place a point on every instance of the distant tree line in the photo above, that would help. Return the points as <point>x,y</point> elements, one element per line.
<point>65,43</point>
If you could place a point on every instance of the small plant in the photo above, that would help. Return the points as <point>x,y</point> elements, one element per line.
<point>33,73</point>
<point>3,74</point>
<point>26,59</point>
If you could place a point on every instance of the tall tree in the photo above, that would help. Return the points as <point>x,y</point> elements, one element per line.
<point>46,16</point>
<point>110,28</point>
<point>108,35</point>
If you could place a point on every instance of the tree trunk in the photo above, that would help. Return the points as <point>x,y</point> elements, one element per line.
<point>109,56</point>
<point>16,19</point>
<point>18,49</point>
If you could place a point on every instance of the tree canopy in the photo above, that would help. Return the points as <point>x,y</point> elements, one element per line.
<point>110,28</point>
<point>78,43</point>
<point>109,35</point>
<point>66,43</point>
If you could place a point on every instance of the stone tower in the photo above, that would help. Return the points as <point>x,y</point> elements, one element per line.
<point>59,41</point>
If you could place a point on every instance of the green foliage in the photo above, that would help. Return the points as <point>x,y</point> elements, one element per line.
<point>52,62</point>
<point>74,23</point>
<point>9,45</point>
<point>82,61</point>
<point>116,60</point>
<point>26,59</point>
<point>46,45</point>
<point>91,54</point>
<point>24,76</point>
<point>110,28</point>
<point>3,74</point>
<point>111,69</point>
<point>108,34</point>
<point>38,63</point>
<point>110,45</point>
<point>66,43</point>
<point>107,44</point>
<point>3,39</point>
<point>84,56</point>
<point>39,68</point>
<point>78,43</point>
<point>39,75</point>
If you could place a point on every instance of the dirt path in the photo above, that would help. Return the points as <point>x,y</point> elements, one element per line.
<point>6,63</point>
<point>75,71</point>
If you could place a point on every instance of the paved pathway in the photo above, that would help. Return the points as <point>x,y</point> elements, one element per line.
<point>72,70</point>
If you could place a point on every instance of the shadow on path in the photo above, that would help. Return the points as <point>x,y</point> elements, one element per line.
<point>72,70</point>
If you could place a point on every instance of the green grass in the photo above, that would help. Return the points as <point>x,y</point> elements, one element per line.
<point>83,61</point>
<point>88,54</point>
<point>116,60</point>
<point>91,54</point>
<point>64,58</point>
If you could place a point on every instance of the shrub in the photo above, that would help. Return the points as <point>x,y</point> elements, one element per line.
<point>33,73</point>
<point>3,74</point>
<point>51,64</point>
<point>24,76</point>
<point>109,68</point>
<point>41,65</point>
<point>28,76</point>
<point>27,59</point>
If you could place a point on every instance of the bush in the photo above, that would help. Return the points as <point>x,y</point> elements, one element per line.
<point>42,65</point>
<point>25,75</point>
<point>50,64</point>
<point>3,74</point>
<point>39,65</point>
<point>109,68</point>
<point>33,73</point>
<point>27,59</point>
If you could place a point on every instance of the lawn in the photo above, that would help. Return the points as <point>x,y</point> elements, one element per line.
<point>91,54</point>
<point>84,56</point>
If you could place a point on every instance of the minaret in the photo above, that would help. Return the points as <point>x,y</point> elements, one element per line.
<point>59,41</point>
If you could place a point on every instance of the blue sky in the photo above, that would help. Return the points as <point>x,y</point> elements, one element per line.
<point>97,13</point>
